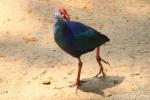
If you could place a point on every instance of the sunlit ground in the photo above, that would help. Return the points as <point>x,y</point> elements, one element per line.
<point>29,56</point>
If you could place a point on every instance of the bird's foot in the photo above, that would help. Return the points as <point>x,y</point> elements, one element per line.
<point>103,75</point>
<point>72,85</point>
<point>76,84</point>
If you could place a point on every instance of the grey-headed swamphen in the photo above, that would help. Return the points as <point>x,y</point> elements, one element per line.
<point>76,39</point>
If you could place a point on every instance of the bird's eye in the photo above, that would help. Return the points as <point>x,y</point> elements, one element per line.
<point>61,13</point>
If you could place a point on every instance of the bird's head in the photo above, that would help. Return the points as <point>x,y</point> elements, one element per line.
<point>64,13</point>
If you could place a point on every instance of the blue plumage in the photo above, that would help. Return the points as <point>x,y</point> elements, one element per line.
<point>75,27</point>
<point>76,38</point>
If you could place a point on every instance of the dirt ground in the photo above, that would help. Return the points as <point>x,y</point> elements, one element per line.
<point>29,56</point>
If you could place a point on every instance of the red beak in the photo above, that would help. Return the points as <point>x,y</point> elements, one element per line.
<point>64,12</point>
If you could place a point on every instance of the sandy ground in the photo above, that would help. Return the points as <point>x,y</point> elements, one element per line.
<point>29,56</point>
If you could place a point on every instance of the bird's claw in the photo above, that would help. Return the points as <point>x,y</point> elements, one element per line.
<point>73,85</point>
<point>103,74</point>
<point>76,83</point>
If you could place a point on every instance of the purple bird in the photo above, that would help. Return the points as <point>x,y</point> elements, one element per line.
<point>76,39</point>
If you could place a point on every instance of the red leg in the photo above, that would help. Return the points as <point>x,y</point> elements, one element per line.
<point>78,82</point>
<point>99,62</point>
<point>78,75</point>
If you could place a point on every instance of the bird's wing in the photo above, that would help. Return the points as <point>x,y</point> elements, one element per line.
<point>84,37</point>
<point>75,27</point>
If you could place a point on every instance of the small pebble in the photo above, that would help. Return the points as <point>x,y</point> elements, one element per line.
<point>46,82</point>
<point>32,39</point>
<point>52,66</point>
<point>3,91</point>
<point>135,74</point>
<point>69,73</point>
<point>35,77</point>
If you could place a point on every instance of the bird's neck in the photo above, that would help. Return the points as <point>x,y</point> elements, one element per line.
<point>58,26</point>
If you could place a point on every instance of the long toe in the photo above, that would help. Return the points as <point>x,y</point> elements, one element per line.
<point>76,84</point>
<point>103,75</point>
<point>73,85</point>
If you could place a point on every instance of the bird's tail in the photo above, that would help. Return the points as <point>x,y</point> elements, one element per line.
<point>103,39</point>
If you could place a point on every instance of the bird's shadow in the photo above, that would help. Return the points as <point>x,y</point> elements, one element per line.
<point>96,85</point>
